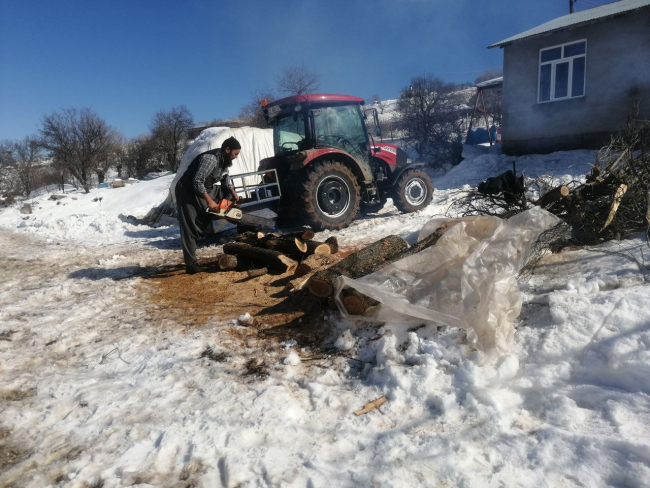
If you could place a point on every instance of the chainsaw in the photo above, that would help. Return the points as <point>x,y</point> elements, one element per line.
<point>228,210</point>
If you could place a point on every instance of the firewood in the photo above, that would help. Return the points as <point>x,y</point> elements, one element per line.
<point>368,407</point>
<point>425,243</point>
<point>552,196</point>
<point>356,303</point>
<point>292,246</point>
<point>296,284</point>
<point>274,259</point>
<point>618,196</point>
<point>303,235</point>
<point>312,263</point>
<point>360,263</point>
<point>253,273</point>
<point>330,246</point>
<point>255,238</point>
<point>227,262</point>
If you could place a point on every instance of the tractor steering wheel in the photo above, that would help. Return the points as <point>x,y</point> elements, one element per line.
<point>338,141</point>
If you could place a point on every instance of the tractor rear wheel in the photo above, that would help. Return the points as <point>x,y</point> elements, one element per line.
<point>330,195</point>
<point>413,191</point>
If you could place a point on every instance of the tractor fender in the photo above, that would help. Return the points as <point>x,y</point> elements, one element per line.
<point>399,172</point>
<point>304,158</point>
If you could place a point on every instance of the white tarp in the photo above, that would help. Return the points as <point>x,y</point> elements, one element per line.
<point>256,144</point>
<point>467,280</point>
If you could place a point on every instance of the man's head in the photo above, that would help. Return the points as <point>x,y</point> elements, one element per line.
<point>231,149</point>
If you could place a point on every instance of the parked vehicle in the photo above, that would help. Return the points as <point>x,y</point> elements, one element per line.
<point>329,166</point>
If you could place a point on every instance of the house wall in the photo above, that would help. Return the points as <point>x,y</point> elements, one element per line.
<point>617,75</point>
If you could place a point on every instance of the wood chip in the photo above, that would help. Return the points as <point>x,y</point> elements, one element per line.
<point>368,407</point>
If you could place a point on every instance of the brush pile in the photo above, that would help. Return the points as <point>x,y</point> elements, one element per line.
<point>612,203</point>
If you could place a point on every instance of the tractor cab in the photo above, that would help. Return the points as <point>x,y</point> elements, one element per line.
<point>327,161</point>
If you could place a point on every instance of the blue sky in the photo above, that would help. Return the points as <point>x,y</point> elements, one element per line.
<point>127,59</point>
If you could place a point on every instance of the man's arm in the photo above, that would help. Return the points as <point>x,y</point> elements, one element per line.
<point>225,183</point>
<point>206,165</point>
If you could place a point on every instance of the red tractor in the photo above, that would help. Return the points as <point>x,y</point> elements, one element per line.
<point>329,167</point>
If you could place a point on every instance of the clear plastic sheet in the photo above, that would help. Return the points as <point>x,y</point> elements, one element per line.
<point>467,280</point>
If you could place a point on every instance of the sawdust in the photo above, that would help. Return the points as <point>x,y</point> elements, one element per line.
<point>216,296</point>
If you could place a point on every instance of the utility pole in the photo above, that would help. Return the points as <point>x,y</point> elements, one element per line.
<point>571,3</point>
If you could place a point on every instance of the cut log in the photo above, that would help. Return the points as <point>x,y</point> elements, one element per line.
<point>272,258</point>
<point>330,246</point>
<point>253,273</point>
<point>304,235</point>
<point>296,284</point>
<point>356,303</point>
<point>312,263</point>
<point>293,245</point>
<point>552,196</point>
<point>227,262</point>
<point>360,263</point>
<point>425,243</point>
<point>371,405</point>
<point>618,196</point>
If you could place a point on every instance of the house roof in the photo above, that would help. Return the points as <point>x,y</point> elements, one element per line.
<point>584,16</point>
<point>494,82</point>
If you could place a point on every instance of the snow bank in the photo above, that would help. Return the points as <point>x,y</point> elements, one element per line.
<point>96,218</point>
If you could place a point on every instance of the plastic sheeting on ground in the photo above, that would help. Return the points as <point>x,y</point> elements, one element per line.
<point>467,280</point>
<point>256,144</point>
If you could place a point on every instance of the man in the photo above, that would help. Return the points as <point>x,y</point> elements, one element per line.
<point>196,191</point>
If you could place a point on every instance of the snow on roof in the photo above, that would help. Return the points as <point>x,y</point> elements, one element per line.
<point>593,14</point>
<point>490,83</point>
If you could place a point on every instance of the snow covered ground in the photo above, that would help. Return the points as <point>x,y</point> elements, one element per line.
<point>102,386</point>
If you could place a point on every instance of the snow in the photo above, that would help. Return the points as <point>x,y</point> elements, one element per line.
<point>101,387</point>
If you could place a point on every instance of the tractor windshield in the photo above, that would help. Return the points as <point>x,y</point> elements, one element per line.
<point>341,127</point>
<point>288,132</point>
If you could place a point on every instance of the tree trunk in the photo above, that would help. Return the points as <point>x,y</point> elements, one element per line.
<point>272,258</point>
<point>360,263</point>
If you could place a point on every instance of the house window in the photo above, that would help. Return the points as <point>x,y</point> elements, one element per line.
<point>562,71</point>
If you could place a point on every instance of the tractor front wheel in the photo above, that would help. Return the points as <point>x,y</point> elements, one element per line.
<point>331,195</point>
<point>413,191</point>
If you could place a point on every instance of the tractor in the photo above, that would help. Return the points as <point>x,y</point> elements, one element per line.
<point>329,167</point>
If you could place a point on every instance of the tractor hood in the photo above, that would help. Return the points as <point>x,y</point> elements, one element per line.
<point>390,154</point>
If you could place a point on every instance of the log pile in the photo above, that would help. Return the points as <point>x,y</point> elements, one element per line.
<point>258,253</point>
<point>314,266</point>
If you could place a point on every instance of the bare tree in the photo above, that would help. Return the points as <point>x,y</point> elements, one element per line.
<point>297,80</point>
<point>28,163</point>
<point>252,113</point>
<point>139,156</point>
<point>429,119</point>
<point>169,133</point>
<point>78,141</point>
<point>8,177</point>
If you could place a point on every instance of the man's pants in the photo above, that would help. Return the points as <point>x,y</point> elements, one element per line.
<point>192,219</point>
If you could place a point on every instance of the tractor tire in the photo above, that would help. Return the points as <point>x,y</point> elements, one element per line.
<point>413,191</point>
<point>330,195</point>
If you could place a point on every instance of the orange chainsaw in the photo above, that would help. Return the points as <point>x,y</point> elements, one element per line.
<point>228,210</point>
